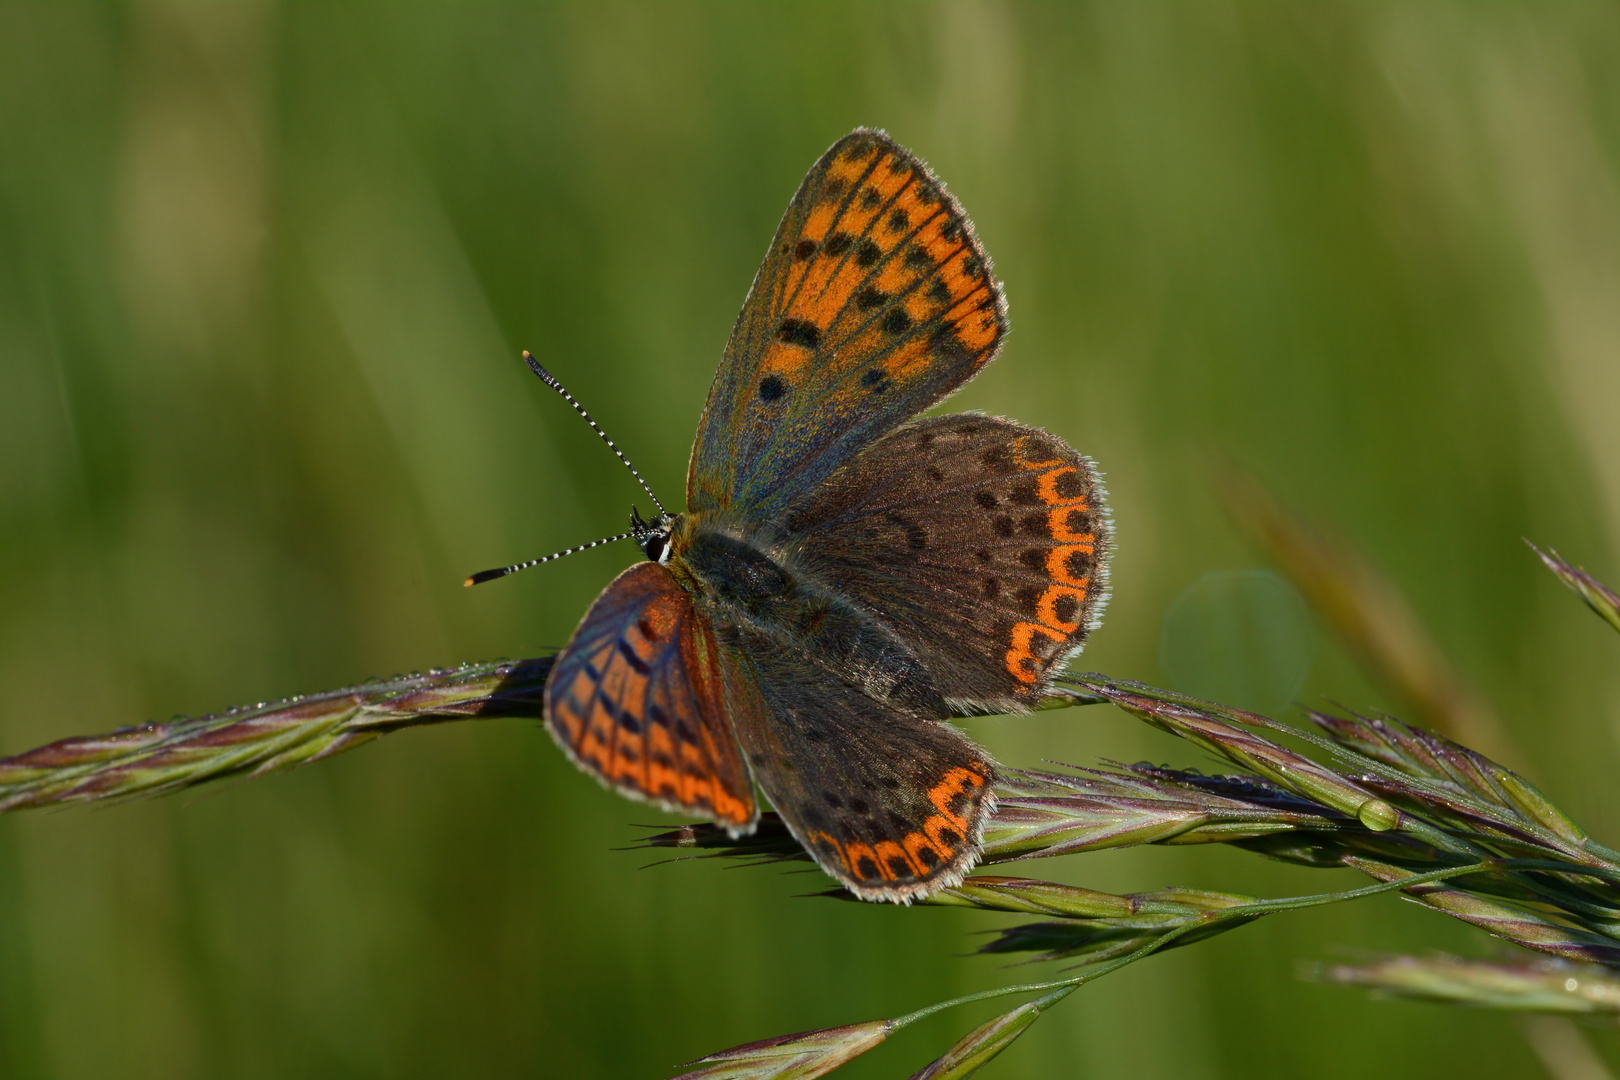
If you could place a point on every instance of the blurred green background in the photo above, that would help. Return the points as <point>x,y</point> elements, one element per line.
<point>264,274</point>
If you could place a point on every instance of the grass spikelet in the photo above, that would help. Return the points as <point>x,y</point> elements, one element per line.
<point>978,1047</point>
<point>1536,986</point>
<point>1598,596</point>
<point>158,758</point>
<point>792,1057</point>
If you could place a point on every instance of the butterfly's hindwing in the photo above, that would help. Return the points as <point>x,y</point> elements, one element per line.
<point>875,301</point>
<point>981,543</point>
<point>888,801</point>
<point>637,700</point>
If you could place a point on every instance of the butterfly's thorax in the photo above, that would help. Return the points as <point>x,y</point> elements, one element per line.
<point>737,578</point>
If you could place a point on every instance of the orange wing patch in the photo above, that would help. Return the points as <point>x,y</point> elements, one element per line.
<point>941,840</point>
<point>635,700</point>
<point>1033,646</point>
<point>874,302</point>
<point>881,253</point>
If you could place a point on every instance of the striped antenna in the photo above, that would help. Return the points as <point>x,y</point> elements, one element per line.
<point>551,380</point>
<point>490,575</point>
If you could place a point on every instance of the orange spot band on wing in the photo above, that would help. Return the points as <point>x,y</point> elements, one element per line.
<point>819,840</point>
<point>1021,458</point>
<point>1057,564</point>
<point>854,853</point>
<point>935,826</point>
<point>916,842</point>
<point>1048,487</point>
<point>956,782</point>
<point>887,851</point>
<point>1022,663</point>
<point>728,807</point>
<point>1046,607</point>
<point>1058,526</point>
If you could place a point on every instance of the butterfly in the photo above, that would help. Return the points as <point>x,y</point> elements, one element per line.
<point>847,576</point>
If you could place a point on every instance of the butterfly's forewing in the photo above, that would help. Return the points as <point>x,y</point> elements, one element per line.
<point>891,803</point>
<point>873,303</point>
<point>981,543</point>
<point>637,700</point>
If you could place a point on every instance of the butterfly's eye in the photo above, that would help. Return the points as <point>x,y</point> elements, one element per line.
<point>657,549</point>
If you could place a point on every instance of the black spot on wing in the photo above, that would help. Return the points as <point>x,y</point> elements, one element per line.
<point>869,298</point>
<point>916,535</point>
<point>1026,492</point>
<point>1069,485</point>
<point>799,332</point>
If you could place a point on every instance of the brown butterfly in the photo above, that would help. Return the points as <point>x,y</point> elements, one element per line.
<point>847,576</point>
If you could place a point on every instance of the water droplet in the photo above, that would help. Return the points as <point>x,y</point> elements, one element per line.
<point>1378,815</point>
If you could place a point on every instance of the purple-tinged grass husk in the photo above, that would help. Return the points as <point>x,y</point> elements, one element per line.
<point>157,758</point>
<point>1041,814</point>
<point>1223,731</point>
<point>1433,807</point>
<point>1510,922</point>
<point>1598,596</point>
<point>1425,755</point>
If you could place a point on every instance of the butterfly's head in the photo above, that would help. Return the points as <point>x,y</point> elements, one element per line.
<point>652,536</point>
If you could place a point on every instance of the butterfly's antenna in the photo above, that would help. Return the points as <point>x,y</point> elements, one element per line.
<point>490,575</point>
<point>551,380</point>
